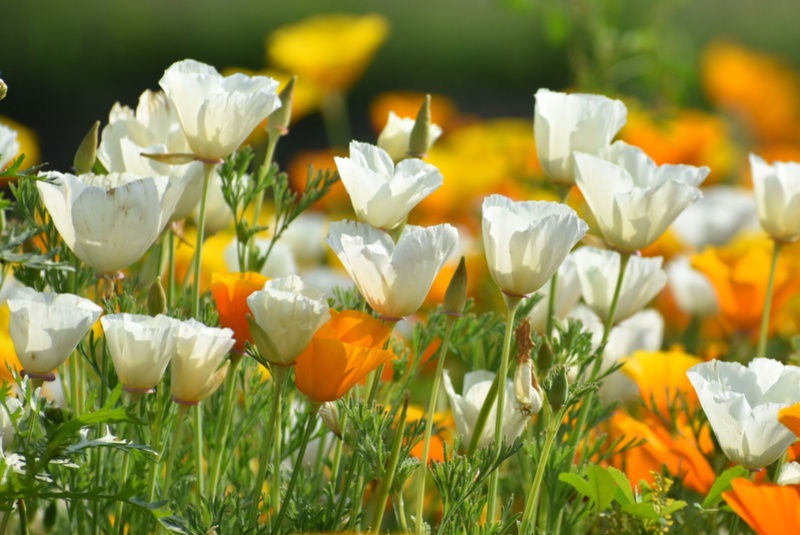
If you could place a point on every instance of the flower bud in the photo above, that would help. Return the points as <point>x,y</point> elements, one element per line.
<point>559,389</point>
<point>3,89</point>
<point>278,121</point>
<point>545,357</point>
<point>526,388</point>
<point>455,298</point>
<point>156,299</point>
<point>329,412</point>
<point>86,154</point>
<point>420,140</point>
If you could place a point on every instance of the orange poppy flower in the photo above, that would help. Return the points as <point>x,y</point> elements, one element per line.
<point>768,508</point>
<point>230,292</point>
<point>661,378</point>
<point>342,352</point>
<point>790,417</point>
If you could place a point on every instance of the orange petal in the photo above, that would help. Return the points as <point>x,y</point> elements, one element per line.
<point>768,508</point>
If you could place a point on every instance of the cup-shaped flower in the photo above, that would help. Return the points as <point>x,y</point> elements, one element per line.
<point>777,189</point>
<point>393,278</point>
<point>632,199</point>
<point>47,327</point>
<point>217,113</point>
<point>722,213</point>
<point>285,315</point>
<point>9,146</point>
<point>396,134</point>
<point>568,293</point>
<point>109,221</point>
<point>196,370</point>
<point>342,352</point>
<point>382,194</point>
<point>141,348</point>
<point>742,405</point>
<point>230,292</point>
<point>598,271</point>
<point>564,123</point>
<point>467,406</point>
<point>526,242</point>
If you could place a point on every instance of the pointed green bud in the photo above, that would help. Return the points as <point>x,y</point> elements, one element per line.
<point>156,298</point>
<point>329,412</point>
<point>278,122</point>
<point>178,158</point>
<point>420,140</point>
<point>545,359</point>
<point>455,298</point>
<point>3,89</point>
<point>559,388</point>
<point>87,151</point>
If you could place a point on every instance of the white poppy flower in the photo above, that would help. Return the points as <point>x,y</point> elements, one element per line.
<point>693,292</point>
<point>196,371</point>
<point>217,113</point>
<point>395,136</point>
<point>568,293</point>
<point>141,348</point>
<point>790,474</point>
<point>109,221</point>
<point>467,406</point>
<point>382,194</point>
<point>742,405</point>
<point>633,200</point>
<point>286,314</point>
<point>153,129</point>
<point>720,214</point>
<point>565,123</point>
<point>526,242</point>
<point>777,189</point>
<point>7,428</point>
<point>9,146</point>
<point>598,271</point>
<point>393,278</point>
<point>46,327</point>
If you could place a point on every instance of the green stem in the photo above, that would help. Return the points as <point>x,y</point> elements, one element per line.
<point>612,311</point>
<point>483,416</point>
<point>223,425</point>
<point>157,446</point>
<point>208,171</point>
<point>126,463</point>
<point>4,524</point>
<point>171,274</point>
<point>197,418</point>
<point>763,337</point>
<point>278,374</point>
<point>551,305</point>
<point>354,467</point>
<point>337,124</point>
<point>533,494</point>
<point>426,441</point>
<point>391,468</point>
<point>298,467</point>
<point>401,510</point>
<point>512,302</point>
<point>173,450</point>
<point>23,517</point>
<point>74,379</point>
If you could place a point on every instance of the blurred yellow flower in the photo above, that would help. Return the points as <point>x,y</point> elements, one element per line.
<point>760,89</point>
<point>686,136</point>
<point>407,103</point>
<point>331,51</point>
<point>9,354</point>
<point>661,378</point>
<point>213,257</point>
<point>27,139</point>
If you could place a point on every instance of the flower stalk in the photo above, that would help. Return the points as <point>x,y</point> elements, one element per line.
<point>763,337</point>
<point>208,171</point>
<point>532,504</point>
<point>223,425</point>
<point>391,468</point>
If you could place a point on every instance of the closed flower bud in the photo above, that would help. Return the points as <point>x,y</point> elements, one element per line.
<point>329,413</point>
<point>545,357</point>
<point>420,140</point>
<point>86,154</point>
<point>156,299</point>
<point>455,298</point>
<point>559,389</point>
<point>278,121</point>
<point>526,388</point>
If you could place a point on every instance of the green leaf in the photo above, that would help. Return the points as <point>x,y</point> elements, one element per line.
<point>641,510</point>
<point>722,484</point>
<point>603,486</point>
<point>623,486</point>
<point>677,505</point>
<point>576,481</point>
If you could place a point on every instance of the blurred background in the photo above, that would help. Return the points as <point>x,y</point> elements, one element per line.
<point>67,63</point>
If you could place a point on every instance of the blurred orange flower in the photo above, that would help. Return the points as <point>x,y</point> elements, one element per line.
<point>230,292</point>
<point>760,89</point>
<point>661,378</point>
<point>337,198</point>
<point>443,425</point>
<point>685,136</point>
<point>768,508</point>
<point>331,51</point>
<point>790,417</point>
<point>342,352</point>
<point>739,273</point>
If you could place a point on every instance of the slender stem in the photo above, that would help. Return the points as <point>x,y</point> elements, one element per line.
<point>278,374</point>
<point>401,510</point>
<point>388,477</point>
<point>277,436</point>
<point>74,379</point>
<point>208,171</point>
<point>4,524</point>
<point>612,311</point>
<point>534,492</point>
<point>337,452</point>
<point>156,433</point>
<point>223,425</point>
<point>763,337</point>
<point>197,418</point>
<point>173,450</point>
<point>512,303</point>
<point>23,517</point>
<point>126,463</point>
<point>551,305</point>
<point>426,441</point>
<point>483,416</point>
<point>171,267</point>
<point>298,467</point>
<point>353,468</point>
